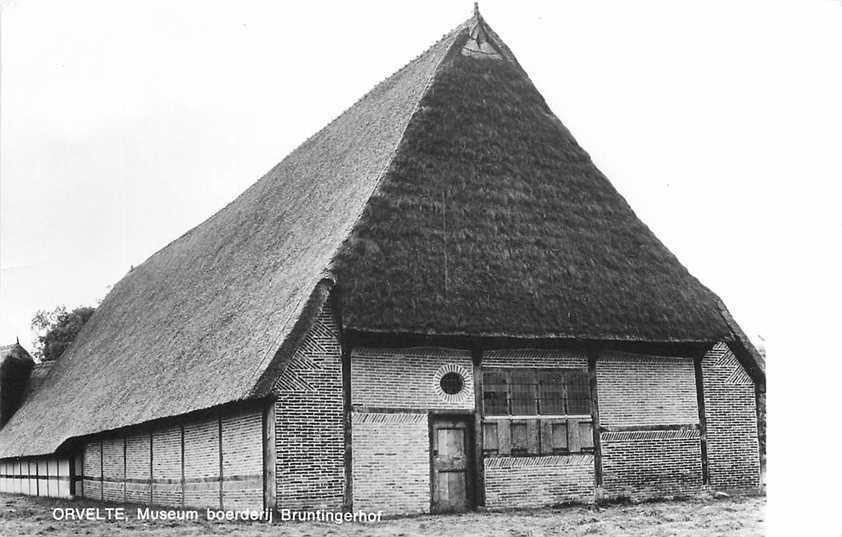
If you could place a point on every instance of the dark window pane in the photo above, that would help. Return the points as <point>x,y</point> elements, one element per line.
<point>494,394</point>
<point>451,383</point>
<point>524,396</point>
<point>578,392</point>
<point>551,391</point>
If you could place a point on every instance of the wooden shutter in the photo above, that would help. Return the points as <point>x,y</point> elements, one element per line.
<point>490,440</point>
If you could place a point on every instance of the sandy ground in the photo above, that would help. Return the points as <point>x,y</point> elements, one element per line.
<point>734,517</point>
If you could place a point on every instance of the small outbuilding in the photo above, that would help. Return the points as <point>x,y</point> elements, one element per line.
<point>435,303</point>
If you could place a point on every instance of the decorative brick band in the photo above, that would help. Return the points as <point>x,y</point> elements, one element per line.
<point>673,434</point>
<point>552,460</point>
<point>359,418</point>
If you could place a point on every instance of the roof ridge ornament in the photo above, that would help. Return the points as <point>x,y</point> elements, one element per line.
<point>479,42</point>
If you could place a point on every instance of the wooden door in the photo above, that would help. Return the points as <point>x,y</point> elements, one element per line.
<point>450,463</point>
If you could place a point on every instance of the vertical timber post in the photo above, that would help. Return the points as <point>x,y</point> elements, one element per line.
<point>700,398</point>
<point>151,471</point>
<point>479,464</point>
<point>101,473</point>
<point>125,470</point>
<point>593,354</point>
<point>348,499</point>
<point>183,473</point>
<point>269,457</point>
<point>221,479</point>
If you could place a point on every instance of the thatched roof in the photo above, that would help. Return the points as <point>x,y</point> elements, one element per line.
<point>15,351</point>
<point>15,370</point>
<point>449,200</point>
<point>36,378</point>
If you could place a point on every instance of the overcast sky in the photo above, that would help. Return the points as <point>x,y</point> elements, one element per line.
<point>126,123</point>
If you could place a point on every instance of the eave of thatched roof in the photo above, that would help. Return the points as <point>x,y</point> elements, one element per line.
<point>447,201</point>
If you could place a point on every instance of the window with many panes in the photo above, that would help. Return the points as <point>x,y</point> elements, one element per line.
<point>536,411</point>
<point>534,392</point>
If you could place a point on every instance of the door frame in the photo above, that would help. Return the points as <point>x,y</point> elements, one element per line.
<point>471,472</point>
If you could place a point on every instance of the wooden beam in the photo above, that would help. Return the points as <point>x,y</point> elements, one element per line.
<point>151,471</point>
<point>593,354</point>
<point>101,473</point>
<point>269,457</point>
<point>183,474</point>
<point>479,440</point>
<point>700,398</point>
<point>348,493</point>
<point>125,467</point>
<point>221,478</point>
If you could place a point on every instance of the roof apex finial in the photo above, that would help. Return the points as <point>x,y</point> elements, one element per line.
<point>476,10</point>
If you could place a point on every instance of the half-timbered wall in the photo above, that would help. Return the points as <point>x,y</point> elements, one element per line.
<point>214,462</point>
<point>539,477</point>
<point>650,419</point>
<point>392,391</point>
<point>36,476</point>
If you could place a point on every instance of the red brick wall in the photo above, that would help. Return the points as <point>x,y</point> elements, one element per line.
<point>409,378</point>
<point>391,462</point>
<point>731,421</point>
<point>512,482</point>
<point>646,390</point>
<point>309,427</point>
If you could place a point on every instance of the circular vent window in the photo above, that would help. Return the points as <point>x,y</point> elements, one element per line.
<point>452,383</point>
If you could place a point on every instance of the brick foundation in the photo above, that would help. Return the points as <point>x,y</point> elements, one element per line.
<point>644,464</point>
<point>512,482</point>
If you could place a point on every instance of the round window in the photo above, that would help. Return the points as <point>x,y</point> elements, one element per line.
<point>451,383</point>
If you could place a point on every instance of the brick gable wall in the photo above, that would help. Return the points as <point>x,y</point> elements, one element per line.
<point>731,421</point>
<point>309,426</point>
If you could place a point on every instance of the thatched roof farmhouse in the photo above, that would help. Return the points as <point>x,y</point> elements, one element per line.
<point>441,259</point>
